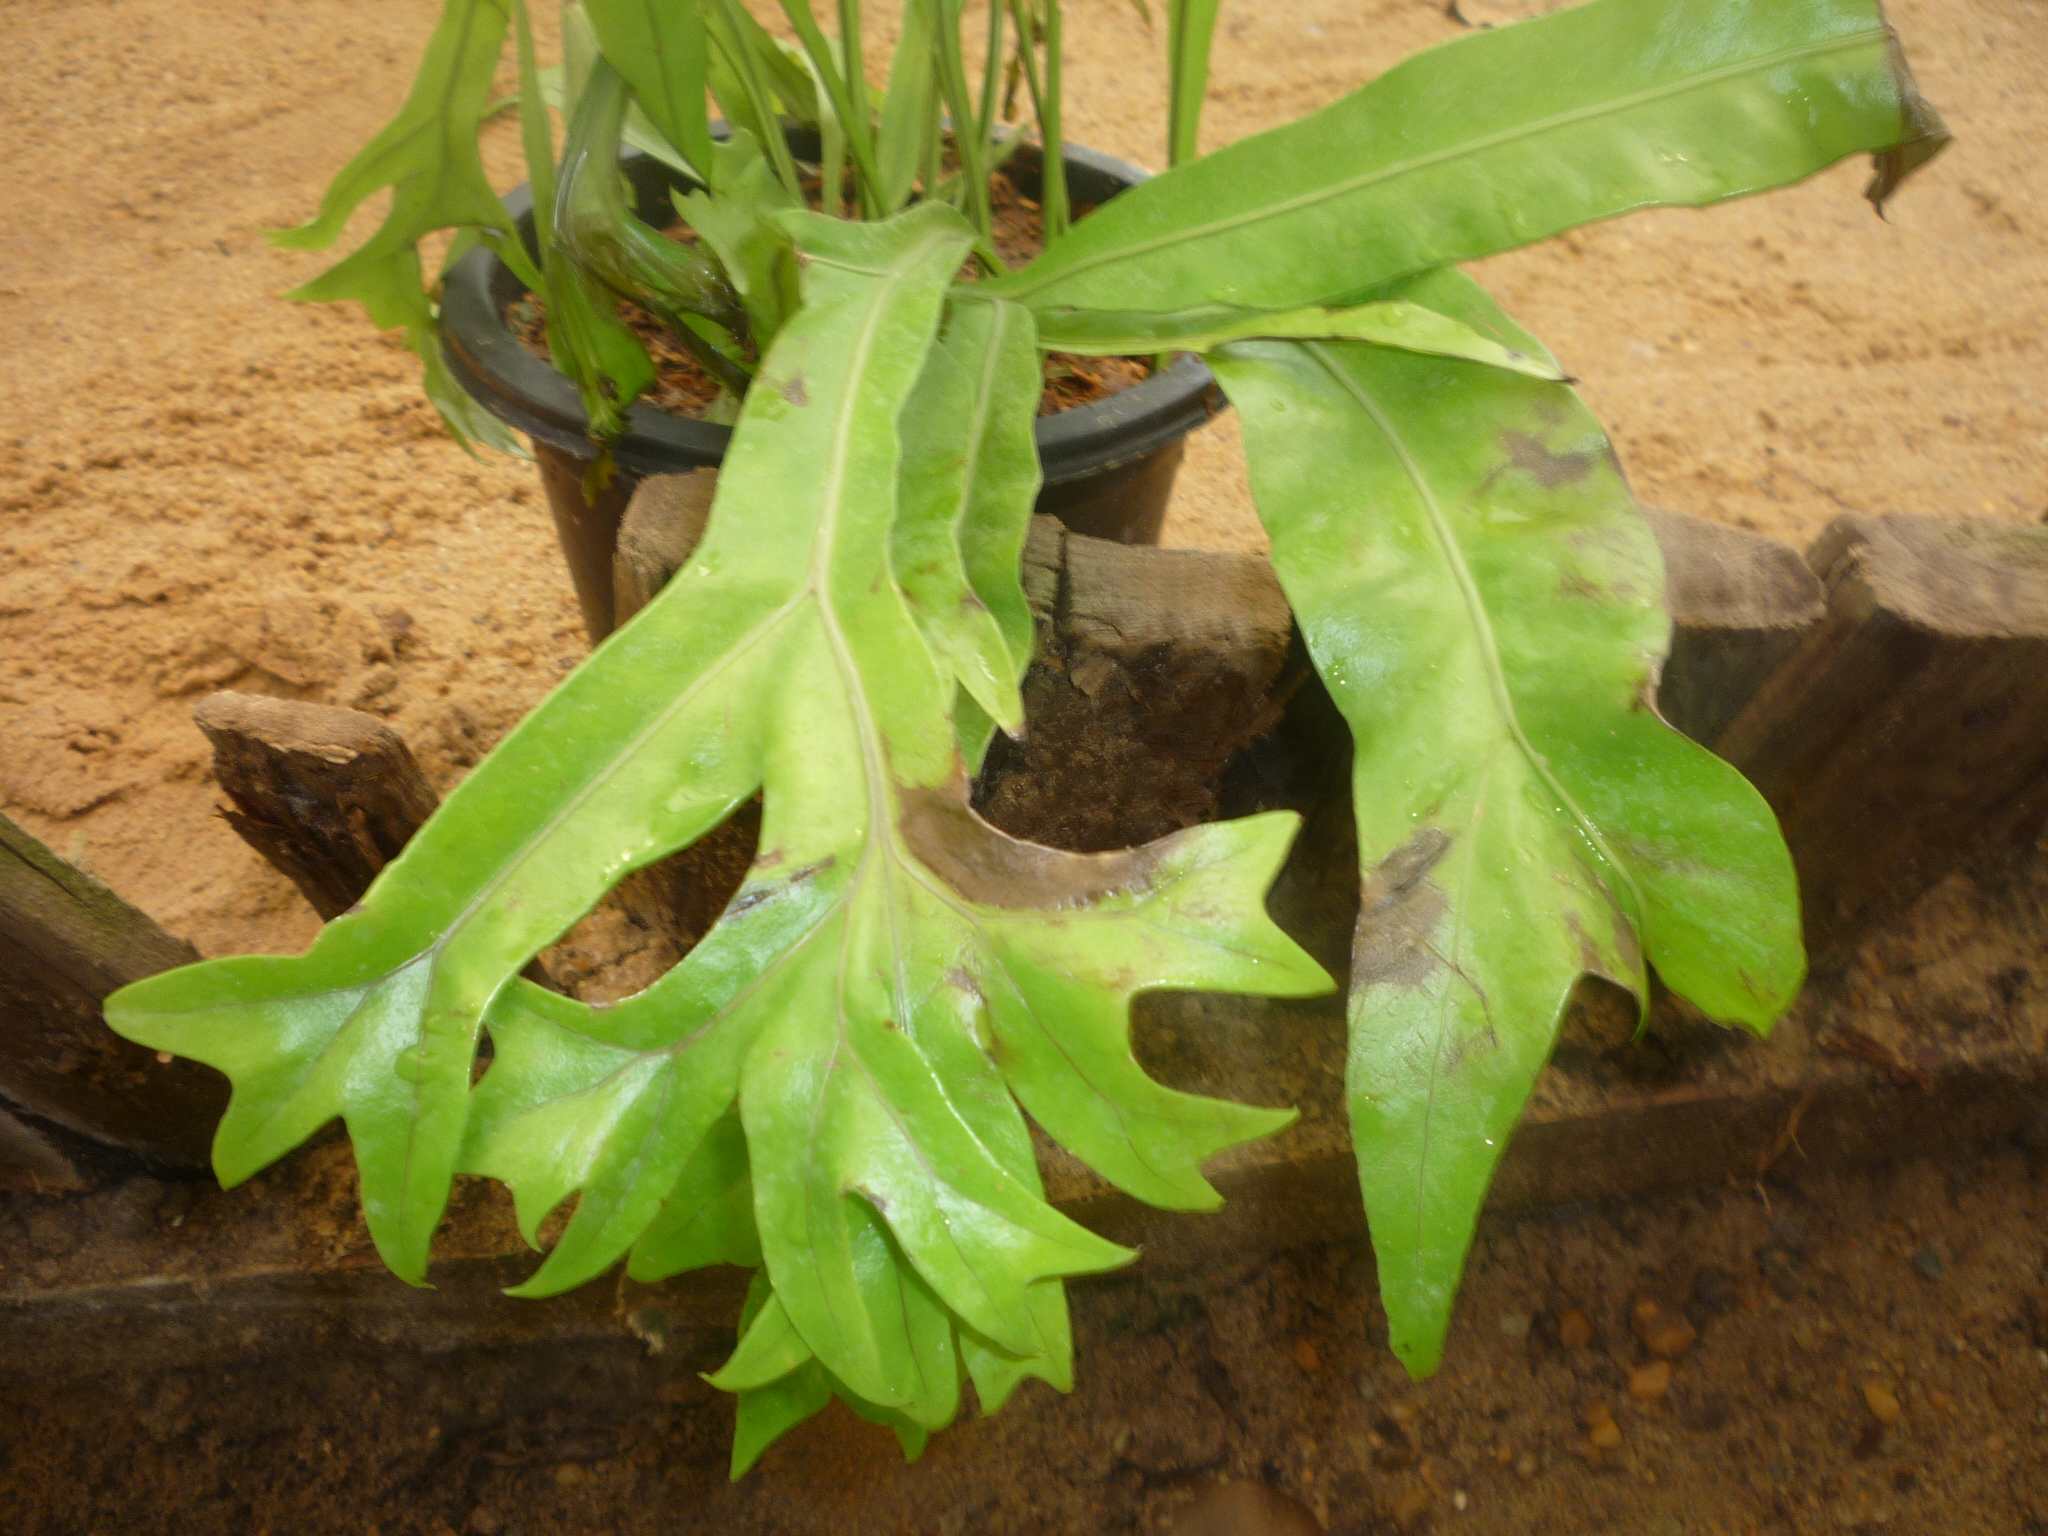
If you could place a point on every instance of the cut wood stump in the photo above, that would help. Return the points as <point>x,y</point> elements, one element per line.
<point>327,795</point>
<point>1910,726</point>
<point>1740,604</point>
<point>662,525</point>
<point>1153,668</point>
<point>1936,1036</point>
<point>66,942</point>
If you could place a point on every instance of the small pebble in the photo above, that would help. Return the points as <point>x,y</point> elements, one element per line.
<point>1525,1465</point>
<point>1648,1383</point>
<point>569,1475</point>
<point>1244,1509</point>
<point>1412,1506</point>
<point>1928,1262</point>
<point>1515,1325</point>
<point>1305,1355</point>
<point>1663,1334</point>
<point>1458,1500</point>
<point>1601,1428</point>
<point>1883,1401</point>
<point>1995,1445</point>
<point>1939,1400</point>
<point>1574,1331</point>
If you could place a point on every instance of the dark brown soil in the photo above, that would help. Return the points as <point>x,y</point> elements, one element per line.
<point>682,388</point>
<point>1924,1280</point>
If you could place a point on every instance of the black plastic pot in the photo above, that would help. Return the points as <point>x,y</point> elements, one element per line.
<point>1109,467</point>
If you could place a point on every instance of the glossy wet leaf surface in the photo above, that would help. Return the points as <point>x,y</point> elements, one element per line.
<point>830,1083</point>
<point>1499,139</point>
<point>1485,605</point>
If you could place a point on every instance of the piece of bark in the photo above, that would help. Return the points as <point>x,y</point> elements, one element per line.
<point>1911,725</point>
<point>327,795</point>
<point>1740,603</point>
<point>663,523</point>
<point>32,1164</point>
<point>66,942</point>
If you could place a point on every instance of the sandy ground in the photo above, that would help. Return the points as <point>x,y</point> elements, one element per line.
<point>203,486</point>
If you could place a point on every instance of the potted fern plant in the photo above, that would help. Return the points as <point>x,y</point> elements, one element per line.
<point>831,1088</point>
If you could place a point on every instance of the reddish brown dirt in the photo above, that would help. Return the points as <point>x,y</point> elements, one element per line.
<point>204,486</point>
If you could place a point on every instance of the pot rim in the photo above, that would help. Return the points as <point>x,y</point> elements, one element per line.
<point>524,392</point>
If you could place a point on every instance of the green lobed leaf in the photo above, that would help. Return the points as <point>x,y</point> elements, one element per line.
<point>892,981</point>
<point>427,155</point>
<point>788,71</point>
<point>1386,323</point>
<point>1485,605</point>
<point>1498,139</point>
<point>970,479</point>
<point>659,46</point>
<point>908,104</point>
<point>848,93</point>
<point>1190,25</point>
<point>593,346</point>
<point>743,70</point>
<point>561,87</point>
<point>738,222</point>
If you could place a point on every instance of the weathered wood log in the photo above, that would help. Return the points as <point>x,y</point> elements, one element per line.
<point>1154,667</point>
<point>1740,603</point>
<point>663,523</point>
<point>66,942</point>
<point>327,795</point>
<point>32,1163</point>
<point>1911,725</point>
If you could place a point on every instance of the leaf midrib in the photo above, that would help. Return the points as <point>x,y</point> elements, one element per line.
<point>1479,145</point>
<point>1474,603</point>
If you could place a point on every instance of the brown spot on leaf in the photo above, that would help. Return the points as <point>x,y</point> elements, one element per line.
<point>1624,965</point>
<point>1400,909</point>
<point>1547,469</point>
<point>794,391</point>
<point>753,895</point>
<point>989,866</point>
